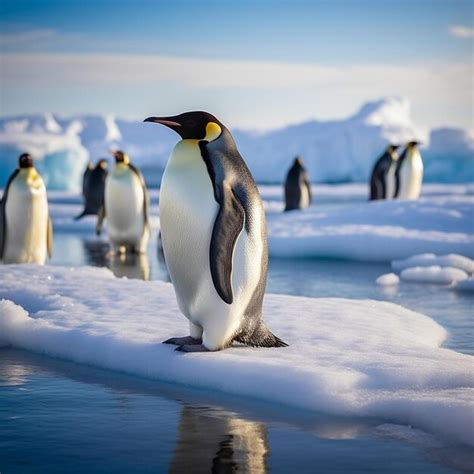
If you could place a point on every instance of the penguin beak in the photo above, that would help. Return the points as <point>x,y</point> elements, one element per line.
<point>167,121</point>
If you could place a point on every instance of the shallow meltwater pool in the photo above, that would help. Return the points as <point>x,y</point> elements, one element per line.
<point>58,416</point>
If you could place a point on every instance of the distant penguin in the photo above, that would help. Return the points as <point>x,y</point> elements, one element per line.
<point>409,173</point>
<point>26,234</point>
<point>297,187</point>
<point>94,187</point>
<point>126,207</point>
<point>214,237</point>
<point>382,180</point>
<point>85,177</point>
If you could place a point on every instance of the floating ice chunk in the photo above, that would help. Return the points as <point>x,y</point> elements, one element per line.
<point>348,357</point>
<point>388,279</point>
<point>430,259</point>
<point>434,274</point>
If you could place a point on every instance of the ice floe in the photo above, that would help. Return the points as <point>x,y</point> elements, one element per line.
<point>388,279</point>
<point>346,357</point>
<point>434,274</point>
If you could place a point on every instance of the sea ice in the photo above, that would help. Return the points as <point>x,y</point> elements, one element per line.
<point>430,259</point>
<point>464,285</point>
<point>347,357</point>
<point>434,274</point>
<point>388,279</point>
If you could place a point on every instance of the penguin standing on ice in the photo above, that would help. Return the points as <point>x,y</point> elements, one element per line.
<point>85,177</point>
<point>297,187</point>
<point>382,180</point>
<point>93,190</point>
<point>409,173</point>
<point>26,234</point>
<point>214,237</point>
<point>126,207</point>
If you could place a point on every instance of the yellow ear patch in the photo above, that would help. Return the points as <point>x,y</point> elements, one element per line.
<point>212,131</point>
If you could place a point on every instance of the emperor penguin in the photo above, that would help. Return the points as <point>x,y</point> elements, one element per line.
<point>214,237</point>
<point>297,187</point>
<point>382,180</point>
<point>126,207</point>
<point>93,189</point>
<point>409,173</point>
<point>26,234</point>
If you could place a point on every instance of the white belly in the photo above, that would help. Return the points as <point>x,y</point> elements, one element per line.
<point>124,199</point>
<point>390,181</point>
<point>304,200</point>
<point>411,176</point>
<point>27,224</point>
<point>187,212</point>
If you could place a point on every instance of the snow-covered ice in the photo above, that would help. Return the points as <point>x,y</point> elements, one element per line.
<point>434,274</point>
<point>388,279</point>
<point>377,230</point>
<point>346,357</point>
<point>430,259</point>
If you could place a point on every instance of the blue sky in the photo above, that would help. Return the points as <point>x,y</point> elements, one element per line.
<point>261,63</point>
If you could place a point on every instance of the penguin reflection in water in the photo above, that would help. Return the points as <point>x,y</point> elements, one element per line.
<point>382,181</point>
<point>93,187</point>
<point>214,237</point>
<point>125,207</point>
<point>297,187</point>
<point>26,234</point>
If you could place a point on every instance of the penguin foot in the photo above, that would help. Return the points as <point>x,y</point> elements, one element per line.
<point>192,348</point>
<point>183,341</point>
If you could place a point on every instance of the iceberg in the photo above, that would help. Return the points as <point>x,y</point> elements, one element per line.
<point>346,357</point>
<point>333,151</point>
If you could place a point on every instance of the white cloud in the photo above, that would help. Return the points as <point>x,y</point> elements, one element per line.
<point>461,31</point>
<point>263,94</point>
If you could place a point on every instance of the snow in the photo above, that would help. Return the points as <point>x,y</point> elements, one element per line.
<point>346,357</point>
<point>434,274</point>
<point>430,259</point>
<point>333,151</point>
<point>464,285</point>
<point>376,231</point>
<point>388,279</point>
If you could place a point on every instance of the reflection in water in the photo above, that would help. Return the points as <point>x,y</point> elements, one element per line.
<point>130,265</point>
<point>219,444</point>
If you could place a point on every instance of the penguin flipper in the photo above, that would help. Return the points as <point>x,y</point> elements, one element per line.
<point>49,238</point>
<point>227,227</point>
<point>100,220</point>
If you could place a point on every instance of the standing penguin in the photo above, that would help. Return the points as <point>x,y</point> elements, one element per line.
<point>214,237</point>
<point>382,180</point>
<point>93,190</point>
<point>297,187</point>
<point>26,234</point>
<point>126,207</point>
<point>409,173</point>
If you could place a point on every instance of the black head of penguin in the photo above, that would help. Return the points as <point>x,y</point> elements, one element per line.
<point>25,161</point>
<point>121,157</point>
<point>392,148</point>
<point>188,125</point>
<point>412,144</point>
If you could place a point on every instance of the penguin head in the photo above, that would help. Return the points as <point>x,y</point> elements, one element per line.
<point>102,164</point>
<point>412,144</point>
<point>298,161</point>
<point>192,125</point>
<point>391,148</point>
<point>25,161</point>
<point>121,157</point>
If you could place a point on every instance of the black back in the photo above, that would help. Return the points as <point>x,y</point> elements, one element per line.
<point>3,217</point>
<point>296,179</point>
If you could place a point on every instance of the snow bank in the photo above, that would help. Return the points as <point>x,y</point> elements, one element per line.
<point>376,231</point>
<point>334,151</point>
<point>430,259</point>
<point>346,357</point>
<point>434,274</point>
<point>388,279</point>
